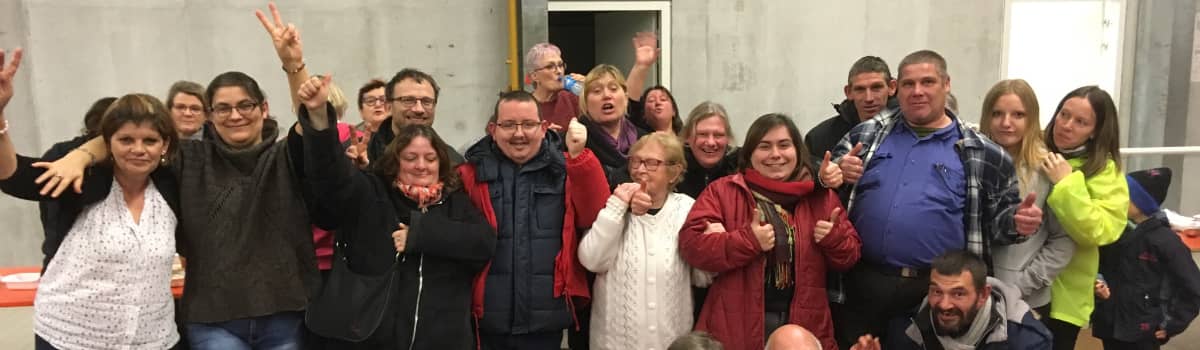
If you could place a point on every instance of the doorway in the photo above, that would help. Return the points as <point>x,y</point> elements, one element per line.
<point>596,32</point>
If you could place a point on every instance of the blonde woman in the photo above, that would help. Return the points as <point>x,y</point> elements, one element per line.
<point>642,294</point>
<point>1010,118</point>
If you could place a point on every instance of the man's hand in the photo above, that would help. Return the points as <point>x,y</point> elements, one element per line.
<point>357,151</point>
<point>867,342</point>
<point>852,165</point>
<point>831,174</point>
<point>1028,217</point>
<point>1102,291</point>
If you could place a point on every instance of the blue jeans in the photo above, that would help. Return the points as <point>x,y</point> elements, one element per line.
<point>280,331</point>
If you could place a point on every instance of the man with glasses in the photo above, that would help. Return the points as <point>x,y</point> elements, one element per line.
<point>413,95</point>
<point>538,198</point>
<point>186,101</point>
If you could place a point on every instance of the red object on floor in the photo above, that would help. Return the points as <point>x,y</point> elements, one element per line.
<point>22,298</point>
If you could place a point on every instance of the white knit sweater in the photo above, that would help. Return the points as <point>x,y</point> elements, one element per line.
<point>642,296</point>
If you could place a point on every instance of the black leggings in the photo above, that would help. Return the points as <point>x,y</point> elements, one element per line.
<point>41,344</point>
<point>1064,333</point>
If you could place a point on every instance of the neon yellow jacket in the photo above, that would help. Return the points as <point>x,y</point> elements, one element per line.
<point>1093,212</point>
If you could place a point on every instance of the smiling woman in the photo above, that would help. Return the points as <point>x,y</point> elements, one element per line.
<point>127,202</point>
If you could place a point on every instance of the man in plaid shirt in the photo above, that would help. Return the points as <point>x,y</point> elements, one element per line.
<point>921,183</point>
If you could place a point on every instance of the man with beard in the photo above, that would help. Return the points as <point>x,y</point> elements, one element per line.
<point>965,309</point>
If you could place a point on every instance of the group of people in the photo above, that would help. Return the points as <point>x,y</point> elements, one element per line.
<point>894,224</point>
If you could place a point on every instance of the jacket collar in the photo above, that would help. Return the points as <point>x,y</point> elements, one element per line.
<point>488,158</point>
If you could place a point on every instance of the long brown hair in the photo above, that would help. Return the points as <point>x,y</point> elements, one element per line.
<point>1105,142</point>
<point>1033,147</point>
<point>389,166</point>
<point>760,128</point>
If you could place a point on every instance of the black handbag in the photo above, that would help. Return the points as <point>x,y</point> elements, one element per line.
<point>351,306</point>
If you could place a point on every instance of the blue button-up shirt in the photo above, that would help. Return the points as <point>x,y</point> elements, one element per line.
<point>909,206</point>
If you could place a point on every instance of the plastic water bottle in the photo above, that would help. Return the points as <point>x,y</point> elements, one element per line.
<point>572,85</point>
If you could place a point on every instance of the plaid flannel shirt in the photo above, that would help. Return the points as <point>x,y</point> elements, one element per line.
<point>992,192</point>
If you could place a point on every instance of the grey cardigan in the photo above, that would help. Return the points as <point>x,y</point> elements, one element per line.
<point>244,229</point>
<point>1031,266</point>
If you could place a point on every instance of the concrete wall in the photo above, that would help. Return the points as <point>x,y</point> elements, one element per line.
<point>793,56</point>
<point>80,50</point>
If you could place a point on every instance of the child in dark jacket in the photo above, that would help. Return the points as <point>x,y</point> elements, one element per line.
<point>1152,290</point>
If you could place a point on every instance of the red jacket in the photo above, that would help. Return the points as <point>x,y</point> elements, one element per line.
<point>733,310</point>
<point>586,193</point>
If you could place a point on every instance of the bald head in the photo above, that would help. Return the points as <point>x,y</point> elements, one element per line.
<point>793,337</point>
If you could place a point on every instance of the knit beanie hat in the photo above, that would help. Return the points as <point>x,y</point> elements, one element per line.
<point>1148,188</point>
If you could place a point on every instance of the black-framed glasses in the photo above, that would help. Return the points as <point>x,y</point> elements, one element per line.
<point>375,101</point>
<point>651,164</point>
<point>410,101</point>
<point>552,66</point>
<point>526,126</point>
<point>243,108</point>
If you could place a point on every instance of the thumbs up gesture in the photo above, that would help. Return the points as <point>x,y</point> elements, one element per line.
<point>823,227</point>
<point>641,201</point>
<point>852,165</point>
<point>765,232</point>
<point>1028,216</point>
<point>314,92</point>
<point>576,137</point>
<point>400,237</point>
<point>831,174</point>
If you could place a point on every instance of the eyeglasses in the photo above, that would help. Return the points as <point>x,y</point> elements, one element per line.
<point>651,164</point>
<point>185,108</point>
<point>375,101</point>
<point>552,66</point>
<point>409,101</point>
<point>527,126</point>
<point>243,108</point>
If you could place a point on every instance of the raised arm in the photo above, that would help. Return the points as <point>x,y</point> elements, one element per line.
<point>8,154</point>
<point>337,186</point>
<point>645,53</point>
<point>286,39</point>
<point>598,249</point>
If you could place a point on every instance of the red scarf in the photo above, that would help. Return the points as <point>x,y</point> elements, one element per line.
<point>774,200</point>
<point>423,195</point>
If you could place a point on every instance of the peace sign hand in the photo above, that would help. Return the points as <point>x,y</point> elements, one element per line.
<point>7,72</point>
<point>286,38</point>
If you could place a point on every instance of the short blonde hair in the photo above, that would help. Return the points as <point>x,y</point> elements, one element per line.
<point>595,75</point>
<point>672,152</point>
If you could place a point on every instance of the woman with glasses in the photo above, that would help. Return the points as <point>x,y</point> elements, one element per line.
<point>108,286</point>
<point>546,70</point>
<point>770,235</point>
<point>642,295</point>
<point>408,215</point>
<point>244,228</point>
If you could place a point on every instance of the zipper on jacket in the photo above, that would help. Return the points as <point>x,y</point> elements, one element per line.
<point>417,309</point>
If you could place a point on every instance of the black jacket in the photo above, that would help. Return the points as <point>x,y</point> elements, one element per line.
<point>447,245</point>
<point>382,138</point>
<point>697,178</point>
<point>63,211</point>
<point>529,207</point>
<point>1154,284</point>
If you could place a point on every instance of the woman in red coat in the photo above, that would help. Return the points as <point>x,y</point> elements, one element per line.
<point>770,235</point>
